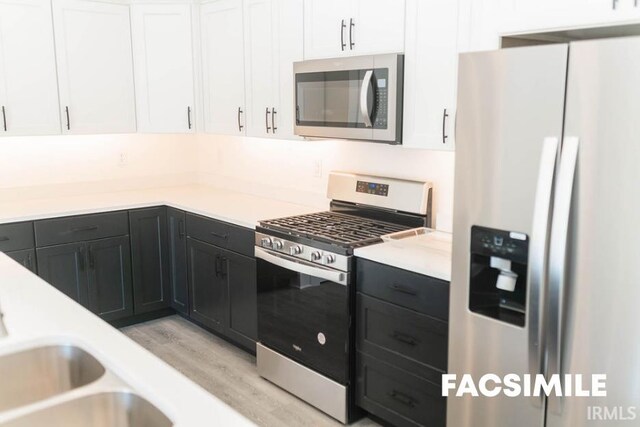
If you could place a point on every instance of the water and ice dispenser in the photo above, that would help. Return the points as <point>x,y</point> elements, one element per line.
<point>498,274</point>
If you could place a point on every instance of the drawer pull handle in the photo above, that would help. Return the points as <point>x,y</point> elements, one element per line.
<point>87,228</point>
<point>403,398</point>
<point>4,239</point>
<point>407,339</point>
<point>403,289</point>
<point>220,236</point>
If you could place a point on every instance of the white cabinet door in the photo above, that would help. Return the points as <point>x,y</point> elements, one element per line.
<point>326,28</point>
<point>223,67</point>
<point>430,74</point>
<point>95,70</point>
<point>260,66</point>
<point>289,49</point>
<point>28,85</point>
<point>273,42</point>
<point>163,58</point>
<point>377,26</point>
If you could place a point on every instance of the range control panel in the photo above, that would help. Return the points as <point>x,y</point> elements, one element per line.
<point>372,188</point>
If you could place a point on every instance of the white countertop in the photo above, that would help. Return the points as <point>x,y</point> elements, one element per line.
<point>237,208</point>
<point>429,254</point>
<point>35,311</point>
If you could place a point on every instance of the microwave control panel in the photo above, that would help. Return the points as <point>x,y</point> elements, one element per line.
<point>381,77</point>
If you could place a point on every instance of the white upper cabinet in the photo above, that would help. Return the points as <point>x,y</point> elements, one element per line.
<point>273,42</point>
<point>542,15</point>
<point>334,28</point>
<point>28,86</point>
<point>223,67</point>
<point>430,74</point>
<point>163,59</point>
<point>95,70</point>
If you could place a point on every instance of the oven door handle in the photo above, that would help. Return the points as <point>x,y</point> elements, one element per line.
<point>364,98</point>
<point>303,267</point>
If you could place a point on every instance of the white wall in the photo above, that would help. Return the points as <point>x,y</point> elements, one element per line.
<point>56,164</point>
<point>288,170</point>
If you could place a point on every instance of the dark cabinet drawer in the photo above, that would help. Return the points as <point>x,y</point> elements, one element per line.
<point>398,396</point>
<point>221,234</point>
<point>17,236</point>
<point>404,338</point>
<point>80,228</point>
<point>424,294</point>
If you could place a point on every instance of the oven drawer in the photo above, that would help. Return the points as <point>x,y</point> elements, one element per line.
<point>221,234</point>
<point>407,339</point>
<point>15,237</point>
<point>80,228</point>
<point>423,294</point>
<point>398,396</point>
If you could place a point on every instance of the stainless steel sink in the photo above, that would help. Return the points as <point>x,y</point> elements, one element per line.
<point>32,375</point>
<point>108,409</point>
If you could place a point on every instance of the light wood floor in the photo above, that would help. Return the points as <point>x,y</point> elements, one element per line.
<point>226,372</point>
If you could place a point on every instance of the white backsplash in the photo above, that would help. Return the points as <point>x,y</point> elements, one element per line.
<point>293,171</point>
<point>297,171</point>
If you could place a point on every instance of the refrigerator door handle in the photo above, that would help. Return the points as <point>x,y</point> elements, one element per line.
<point>538,257</point>
<point>558,261</point>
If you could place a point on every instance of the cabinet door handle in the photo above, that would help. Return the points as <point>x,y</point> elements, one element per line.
<point>220,236</point>
<point>29,262</point>
<point>266,119</point>
<point>181,231</point>
<point>342,28</point>
<point>402,289</point>
<point>81,258</point>
<point>4,118</point>
<point>189,116</point>
<point>4,238</point>
<point>403,338</point>
<point>217,265</point>
<point>444,126</point>
<point>91,258</point>
<point>239,121</point>
<point>223,267</point>
<point>403,398</point>
<point>351,25</point>
<point>273,120</point>
<point>87,228</point>
<point>66,110</point>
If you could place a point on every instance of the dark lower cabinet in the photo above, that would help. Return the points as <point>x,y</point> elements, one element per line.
<point>177,252</point>
<point>239,273</point>
<point>207,285</point>
<point>25,257</point>
<point>149,259</point>
<point>64,267</point>
<point>97,274</point>
<point>109,278</point>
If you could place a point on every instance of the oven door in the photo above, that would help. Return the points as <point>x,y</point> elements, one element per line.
<point>352,98</point>
<point>303,312</point>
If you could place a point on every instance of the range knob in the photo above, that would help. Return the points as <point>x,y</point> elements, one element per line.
<point>316,255</point>
<point>266,242</point>
<point>277,244</point>
<point>295,250</point>
<point>329,259</point>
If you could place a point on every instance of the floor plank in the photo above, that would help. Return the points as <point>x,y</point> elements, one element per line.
<point>226,372</point>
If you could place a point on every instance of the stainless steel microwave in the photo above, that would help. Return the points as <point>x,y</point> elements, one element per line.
<point>357,97</point>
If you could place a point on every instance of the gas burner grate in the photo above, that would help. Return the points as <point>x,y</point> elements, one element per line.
<point>334,228</point>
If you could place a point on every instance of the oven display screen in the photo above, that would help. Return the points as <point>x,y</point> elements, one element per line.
<point>372,188</point>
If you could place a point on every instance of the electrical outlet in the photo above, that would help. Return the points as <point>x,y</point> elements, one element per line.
<point>122,159</point>
<point>317,169</point>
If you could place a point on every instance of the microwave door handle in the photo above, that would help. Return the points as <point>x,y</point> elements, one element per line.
<point>303,267</point>
<point>364,92</point>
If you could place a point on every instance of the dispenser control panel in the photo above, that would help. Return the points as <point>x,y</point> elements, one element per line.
<point>504,244</point>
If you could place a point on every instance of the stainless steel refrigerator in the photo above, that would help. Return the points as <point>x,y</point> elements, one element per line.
<point>546,250</point>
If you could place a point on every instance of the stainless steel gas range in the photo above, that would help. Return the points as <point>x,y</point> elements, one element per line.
<point>306,284</point>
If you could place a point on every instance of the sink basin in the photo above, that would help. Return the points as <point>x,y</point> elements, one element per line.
<point>109,409</point>
<point>38,373</point>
